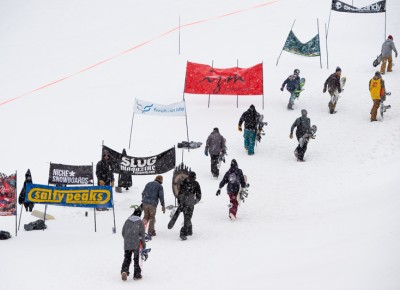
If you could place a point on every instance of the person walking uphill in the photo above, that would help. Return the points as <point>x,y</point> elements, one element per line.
<point>302,125</point>
<point>292,84</point>
<point>235,179</point>
<point>134,235</point>
<point>189,195</point>
<point>250,119</point>
<point>332,83</point>
<point>215,145</point>
<point>152,193</point>
<point>387,48</point>
<point>104,172</point>
<point>377,91</point>
<point>21,199</point>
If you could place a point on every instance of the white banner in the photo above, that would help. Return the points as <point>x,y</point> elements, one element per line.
<point>150,108</point>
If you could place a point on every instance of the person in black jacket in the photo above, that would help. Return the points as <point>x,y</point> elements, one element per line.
<point>21,199</point>
<point>292,85</point>
<point>235,179</point>
<point>124,178</point>
<point>189,194</point>
<point>303,126</point>
<point>104,171</point>
<point>250,119</point>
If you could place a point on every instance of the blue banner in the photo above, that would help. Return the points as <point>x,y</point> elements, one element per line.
<point>82,196</point>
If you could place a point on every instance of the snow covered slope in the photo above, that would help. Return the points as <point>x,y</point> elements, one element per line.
<point>329,223</point>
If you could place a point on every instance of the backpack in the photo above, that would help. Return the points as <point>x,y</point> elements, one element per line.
<point>4,235</point>
<point>37,225</point>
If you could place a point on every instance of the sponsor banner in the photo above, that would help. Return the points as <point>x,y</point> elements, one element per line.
<point>204,79</point>
<point>82,196</point>
<point>373,8</point>
<point>156,164</point>
<point>148,108</point>
<point>294,45</point>
<point>8,195</point>
<point>70,174</point>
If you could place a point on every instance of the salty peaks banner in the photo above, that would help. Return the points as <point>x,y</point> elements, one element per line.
<point>70,174</point>
<point>149,108</point>
<point>82,196</point>
<point>204,79</point>
<point>377,7</point>
<point>310,48</point>
<point>8,196</point>
<point>156,164</point>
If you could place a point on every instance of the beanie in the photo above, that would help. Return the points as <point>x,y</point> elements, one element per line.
<point>390,37</point>
<point>338,69</point>
<point>159,178</point>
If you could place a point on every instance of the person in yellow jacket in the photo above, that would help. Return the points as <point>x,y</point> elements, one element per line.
<point>377,90</point>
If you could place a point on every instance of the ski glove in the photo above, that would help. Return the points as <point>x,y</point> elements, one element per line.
<point>163,209</point>
<point>324,90</point>
<point>240,129</point>
<point>291,136</point>
<point>102,183</point>
<point>206,152</point>
<point>282,89</point>
<point>395,54</point>
<point>218,192</point>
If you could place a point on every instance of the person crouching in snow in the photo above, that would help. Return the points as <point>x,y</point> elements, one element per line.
<point>234,178</point>
<point>134,235</point>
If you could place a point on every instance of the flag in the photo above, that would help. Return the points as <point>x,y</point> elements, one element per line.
<point>377,7</point>
<point>149,108</point>
<point>204,79</point>
<point>293,45</point>
<point>8,195</point>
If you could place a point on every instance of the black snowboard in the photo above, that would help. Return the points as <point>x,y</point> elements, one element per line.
<point>175,217</point>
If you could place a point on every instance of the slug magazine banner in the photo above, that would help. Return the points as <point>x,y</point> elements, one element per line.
<point>149,108</point>
<point>377,7</point>
<point>70,174</point>
<point>82,196</point>
<point>8,196</point>
<point>151,165</point>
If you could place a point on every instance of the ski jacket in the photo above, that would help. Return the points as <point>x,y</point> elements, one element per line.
<point>215,143</point>
<point>152,192</point>
<point>189,192</point>
<point>333,83</point>
<point>292,83</point>
<point>104,171</point>
<point>302,125</point>
<point>387,48</point>
<point>250,119</point>
<point>234,178</point>
<point>377,88</point>
<point>133,233</point>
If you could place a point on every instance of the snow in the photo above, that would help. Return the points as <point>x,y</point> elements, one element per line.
<point>329,223</point>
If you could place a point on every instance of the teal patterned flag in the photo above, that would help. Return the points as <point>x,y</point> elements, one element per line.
<point>310,48</point>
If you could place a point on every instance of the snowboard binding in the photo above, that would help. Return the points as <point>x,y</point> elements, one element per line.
<point>144,254</point>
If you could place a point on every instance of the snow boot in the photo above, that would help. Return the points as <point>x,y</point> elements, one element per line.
<point>124,276</point>
<point>232,217</point>
<point>137,277</point>
<point>183,238</point>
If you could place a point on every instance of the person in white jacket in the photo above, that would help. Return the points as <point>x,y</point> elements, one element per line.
<point>387,48</point>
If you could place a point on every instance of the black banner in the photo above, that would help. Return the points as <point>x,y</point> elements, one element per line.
<point>377,7</point>
<point>156,164</point>
<point>70,174</point>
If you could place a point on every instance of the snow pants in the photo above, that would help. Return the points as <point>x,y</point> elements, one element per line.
<point>150,216</point>
<point>214,165</point>
<point>301,150</point>
<point>390,64</point>
<point>292,97</point>
<point>127,262</point>
<point>234,202</point>
<point>374,110</point>
<point>332,104</point>
<point>249,140</point>
<point>187,229</point>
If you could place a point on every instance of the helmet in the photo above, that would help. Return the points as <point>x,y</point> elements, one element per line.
<point>296,71</point>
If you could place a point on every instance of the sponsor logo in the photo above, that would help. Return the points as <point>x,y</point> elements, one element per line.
<point>144,109</point>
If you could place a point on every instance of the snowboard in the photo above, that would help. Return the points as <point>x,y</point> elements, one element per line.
<point>260,128</point>
<point>382,107</point>
<point>243,192</point>
<point>307,136</point>
<point>40,214</point>
<point>221,158</point>
<point>175,217</point>
<point>377,61</point>
<point>336,94</point>
<point>302,83</point>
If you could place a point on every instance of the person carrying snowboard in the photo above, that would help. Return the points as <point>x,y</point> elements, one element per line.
<point>377,91</point>
<point>235,179</point>
<point>133,233</point>
<point>250,119</point>
<point>21,199</point>
<point>292,84</point>
<point>332,84</point>
<point>387,48</point>
<point>303,126</point>
<point>189,194</point>
<point>215,146</point>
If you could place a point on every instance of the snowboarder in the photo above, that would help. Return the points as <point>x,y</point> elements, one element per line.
<point>250,119</point>
<point>235,179</point>
<point>386,51</point>
<point>332,84</point>
<point>152,193</point>
<point>377,90</point>
<point>292,84</point>
<point>124,179</point>
<point>215,145</point>
<point>189,195</point>
<point>21,199</point>
<point>302,125</point>
<point>134,236</point>
<point>104,171</point>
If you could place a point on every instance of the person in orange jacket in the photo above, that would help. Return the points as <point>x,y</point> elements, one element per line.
<point>377,90</point>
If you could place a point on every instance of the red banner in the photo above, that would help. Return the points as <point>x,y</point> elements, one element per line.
<point>8,195</point>
<point>203,79</point>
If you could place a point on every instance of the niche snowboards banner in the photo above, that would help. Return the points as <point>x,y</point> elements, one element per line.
<point>8,200</point>
<point>377,7</point>
<point>151,165</point>
<point>310,48</point>
<point>70,174</point>
<point>204,79</point>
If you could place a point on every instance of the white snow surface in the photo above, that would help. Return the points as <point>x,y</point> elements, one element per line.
<point>332,222</point>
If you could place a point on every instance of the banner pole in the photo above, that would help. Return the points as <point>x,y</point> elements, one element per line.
<point>263,84</point>
<point>329,21</point>
<point>187,127</point>
<point>237,96</point>
<point>94,209</point>
<point>326,44</point>
<point>115,227</point>
<point>384,37</point>
<point>319,42</point>
<point>284,45</point>
<point>20,215</point>
<point>209,95</point>
<point>133,115</point>
<point>45,207</point>
<point>16,208</point>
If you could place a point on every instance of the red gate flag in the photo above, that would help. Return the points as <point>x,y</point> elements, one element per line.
<point>204,79</point>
